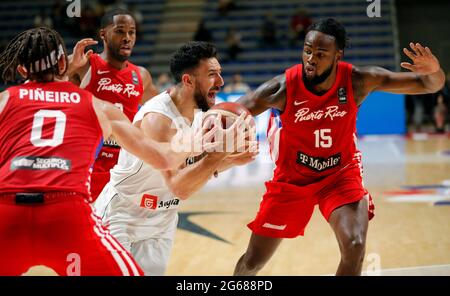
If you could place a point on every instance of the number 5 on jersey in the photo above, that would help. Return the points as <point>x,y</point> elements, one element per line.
<point>323,138</point>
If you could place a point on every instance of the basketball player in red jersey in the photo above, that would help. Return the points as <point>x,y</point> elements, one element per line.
<point>49,131</point>
<point>111,77</point>
<point>317,162</point>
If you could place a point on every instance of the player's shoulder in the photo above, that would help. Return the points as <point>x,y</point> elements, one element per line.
<point>160,105</point>
<point>145,74</point>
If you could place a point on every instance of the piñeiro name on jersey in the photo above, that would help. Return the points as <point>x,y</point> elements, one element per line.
<point>49,96</point>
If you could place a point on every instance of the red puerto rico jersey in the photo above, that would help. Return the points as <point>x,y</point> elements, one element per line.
<point>48,136</point>
<point>315,136</point>
<point>124,88</point>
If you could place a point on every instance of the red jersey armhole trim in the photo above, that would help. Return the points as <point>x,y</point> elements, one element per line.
<point>287,74</point>
<point>349,84</point>
<point>93,68</point>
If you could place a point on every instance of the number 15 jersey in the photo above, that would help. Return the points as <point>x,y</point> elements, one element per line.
<point>48,136</point>
<point>315,136</point>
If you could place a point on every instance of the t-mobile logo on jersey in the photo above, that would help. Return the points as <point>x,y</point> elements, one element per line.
<point>318,164</point>
<point>149,201</point>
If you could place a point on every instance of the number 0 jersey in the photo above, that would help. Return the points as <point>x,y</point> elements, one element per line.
<point>315,136</point>
<point>48,136</point>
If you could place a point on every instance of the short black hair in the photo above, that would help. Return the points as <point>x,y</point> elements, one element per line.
<point>108,17</point>
<point>188,56</point>
<point>331,27</point>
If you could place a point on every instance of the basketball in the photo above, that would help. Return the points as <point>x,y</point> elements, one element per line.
<point>229,111</point>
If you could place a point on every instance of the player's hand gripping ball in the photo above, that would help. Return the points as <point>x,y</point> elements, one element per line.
<point>229,112</point>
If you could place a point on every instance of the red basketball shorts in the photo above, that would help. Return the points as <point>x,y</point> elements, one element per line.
<point>60,235</point>
<point>106,160</point>
<point>286,209</point>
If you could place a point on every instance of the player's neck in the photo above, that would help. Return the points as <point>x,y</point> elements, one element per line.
<point>107,57</point>
<point>185,106</point>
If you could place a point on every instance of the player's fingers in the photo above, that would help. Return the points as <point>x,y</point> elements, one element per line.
<point>218,120</point>
<point>408,66</point>
<point>413,47</point>
<point>428,51</point>
<point>83,43</point>
<point>239,122</point>
<point>248,120</point>
<point>409,54</point>
<point>420,49</point>
<point>89,53</point>
<point>210,134</point>
<point>253,148</point>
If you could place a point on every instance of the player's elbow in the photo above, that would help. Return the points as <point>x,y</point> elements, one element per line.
<point>159,163</point>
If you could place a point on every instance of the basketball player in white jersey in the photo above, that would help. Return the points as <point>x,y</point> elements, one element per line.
<point>139,204</point>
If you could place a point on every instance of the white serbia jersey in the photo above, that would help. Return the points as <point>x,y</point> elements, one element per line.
<point>137,194</point>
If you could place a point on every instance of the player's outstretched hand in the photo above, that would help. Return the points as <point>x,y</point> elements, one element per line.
<point>79,57</point>
<point>423,60</point>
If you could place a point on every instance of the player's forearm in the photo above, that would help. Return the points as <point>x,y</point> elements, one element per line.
<point>192,178</point>
<point>224,166</point>
<point>71,69</point>
<point>134,141</point>
<point>73,72</point>
<point>433,82</point>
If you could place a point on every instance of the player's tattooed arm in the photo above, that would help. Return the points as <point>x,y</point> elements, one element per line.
<point>426,76</point>
<point>149,88</point>
<point>270,94</point>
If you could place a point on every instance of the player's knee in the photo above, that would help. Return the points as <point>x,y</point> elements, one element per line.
<point>354,245</point>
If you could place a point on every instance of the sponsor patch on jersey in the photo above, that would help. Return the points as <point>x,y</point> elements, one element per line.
<point>168,203</point>
<point>318,164</point>
<point>149,201</point>
<point>111,143</point>
<point>342,95</point>
<point>40,163</point>
<point>134,77</point>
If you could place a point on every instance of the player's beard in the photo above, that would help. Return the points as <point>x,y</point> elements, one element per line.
<point>317,79</point>
<point>115,53</point>
<point>201,100</point>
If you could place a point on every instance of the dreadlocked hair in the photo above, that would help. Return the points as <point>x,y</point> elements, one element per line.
<point>38,50</point>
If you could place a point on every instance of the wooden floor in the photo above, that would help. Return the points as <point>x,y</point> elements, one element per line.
<point>407,235</point>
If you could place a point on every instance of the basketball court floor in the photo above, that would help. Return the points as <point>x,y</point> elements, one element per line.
<point>408,177</point>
